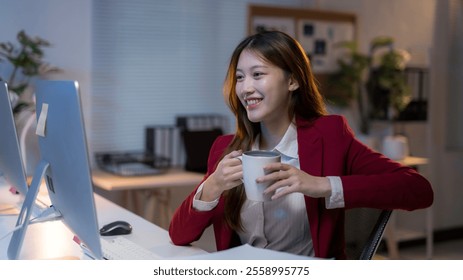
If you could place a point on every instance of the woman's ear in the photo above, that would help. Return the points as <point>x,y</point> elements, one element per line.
<point>293,84</point>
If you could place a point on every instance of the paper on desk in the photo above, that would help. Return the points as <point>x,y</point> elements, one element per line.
<point>248,252</point>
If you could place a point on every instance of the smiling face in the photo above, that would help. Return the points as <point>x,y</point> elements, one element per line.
<point>263,89</point>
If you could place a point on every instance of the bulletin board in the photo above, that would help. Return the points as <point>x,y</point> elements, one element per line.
<point>318,31</point>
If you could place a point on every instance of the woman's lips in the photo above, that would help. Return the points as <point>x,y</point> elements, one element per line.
<point>252,102</point>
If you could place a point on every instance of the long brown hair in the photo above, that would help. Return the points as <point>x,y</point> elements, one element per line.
<point>283,51</point>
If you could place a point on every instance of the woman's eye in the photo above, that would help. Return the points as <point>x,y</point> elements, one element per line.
<point>257,74</point>
<point>239,77</point>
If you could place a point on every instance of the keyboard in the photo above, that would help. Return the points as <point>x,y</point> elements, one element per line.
<point>121,248</point>
<point>132,169</point>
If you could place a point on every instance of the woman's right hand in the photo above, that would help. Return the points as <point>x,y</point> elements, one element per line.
<point>227,175</point>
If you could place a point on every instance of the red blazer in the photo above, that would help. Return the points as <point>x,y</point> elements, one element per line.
<point>327,147</point>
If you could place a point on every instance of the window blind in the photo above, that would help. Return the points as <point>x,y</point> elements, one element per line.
<point>153,60</point>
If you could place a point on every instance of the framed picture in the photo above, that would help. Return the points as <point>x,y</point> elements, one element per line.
<point>318,31</point>
<point>285,24</point>
<point>319,38</point>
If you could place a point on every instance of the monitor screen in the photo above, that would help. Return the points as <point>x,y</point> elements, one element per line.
<point>11,163</point>
<point>64,165</point>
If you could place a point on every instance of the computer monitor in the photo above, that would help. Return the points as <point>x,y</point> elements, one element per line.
<point>11,162</point>
<point>64,165</point>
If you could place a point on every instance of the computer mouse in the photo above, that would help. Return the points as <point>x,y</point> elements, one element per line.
<point>116,228</point>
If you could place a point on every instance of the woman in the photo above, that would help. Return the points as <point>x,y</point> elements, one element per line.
<point>271,90</point>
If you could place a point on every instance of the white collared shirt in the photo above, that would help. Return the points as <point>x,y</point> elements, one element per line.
<point>281,224</point>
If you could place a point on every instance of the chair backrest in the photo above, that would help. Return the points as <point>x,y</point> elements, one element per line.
<point>198,133</point>
<point>364,229</point>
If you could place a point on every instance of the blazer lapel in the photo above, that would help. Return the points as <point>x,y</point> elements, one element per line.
<point>310,148</point>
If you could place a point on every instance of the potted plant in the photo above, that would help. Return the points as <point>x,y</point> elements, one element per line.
<point>20,63</point>
<point>346,85</point>
<point>387,88</point>
<point>23,62</point>
<point>375,83</point>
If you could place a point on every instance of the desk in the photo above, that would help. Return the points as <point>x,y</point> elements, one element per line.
<point>154,189</point>
<point>414,161</point>
<point>393,234</point>
<point>53,240</point>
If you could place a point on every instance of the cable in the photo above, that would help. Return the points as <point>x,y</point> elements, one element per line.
<point>10,232</point>
<point>48,214</point>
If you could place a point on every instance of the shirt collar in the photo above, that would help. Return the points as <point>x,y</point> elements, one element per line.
<point>287,145</point>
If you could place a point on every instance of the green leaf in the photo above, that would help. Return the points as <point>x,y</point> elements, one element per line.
<point>26,59</point>
<point>381,41</point>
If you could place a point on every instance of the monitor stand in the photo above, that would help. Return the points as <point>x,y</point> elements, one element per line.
<point>14,248</point>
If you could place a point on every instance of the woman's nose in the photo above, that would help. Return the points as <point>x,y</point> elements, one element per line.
<point>247,87</point>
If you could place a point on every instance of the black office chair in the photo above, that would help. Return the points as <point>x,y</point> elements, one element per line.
<point>198,133</point>
<point>364,229</point>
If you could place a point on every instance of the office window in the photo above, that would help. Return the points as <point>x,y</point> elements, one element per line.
<point>152,59</point>
<point>155,59</point>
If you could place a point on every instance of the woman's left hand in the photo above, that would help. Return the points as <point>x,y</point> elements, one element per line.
<point>289,179</point>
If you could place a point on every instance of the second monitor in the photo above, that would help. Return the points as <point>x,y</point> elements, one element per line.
<point>11,163</point>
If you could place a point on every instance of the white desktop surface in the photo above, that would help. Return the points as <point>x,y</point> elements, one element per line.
<point>53,240</point>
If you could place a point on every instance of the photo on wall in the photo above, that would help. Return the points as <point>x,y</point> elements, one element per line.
<point>283,24</point>
<point>319,37</point>
<point>318,32</point>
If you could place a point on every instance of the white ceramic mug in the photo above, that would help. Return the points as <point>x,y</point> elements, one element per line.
<point>395,147</point>
<point>253,168</point>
